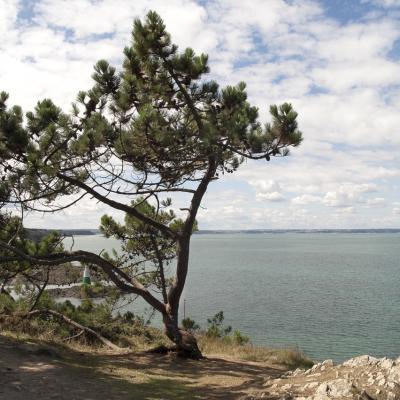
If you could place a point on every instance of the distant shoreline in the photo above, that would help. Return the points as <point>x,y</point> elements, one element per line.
<point>90,232</point>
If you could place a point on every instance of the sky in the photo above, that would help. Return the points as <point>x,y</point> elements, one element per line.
<point>336,61</point>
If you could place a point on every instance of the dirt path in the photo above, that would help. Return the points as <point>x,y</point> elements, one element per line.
<point>34,370</point>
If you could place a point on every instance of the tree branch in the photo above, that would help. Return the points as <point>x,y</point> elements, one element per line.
<point>75,325</point>
<point>132,286</point>
<point>120,206</point>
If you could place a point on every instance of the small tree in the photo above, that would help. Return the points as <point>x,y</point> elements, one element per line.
<point>216,326</point>
<point>153,130</point>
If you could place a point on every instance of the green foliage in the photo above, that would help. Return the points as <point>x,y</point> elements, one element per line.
<point>239,338</point>
<point>126,330</point>
<point>46,301</point>
<point>216,326</point>
<point>7,304</point>
<point>30,277</point>
<point>217,330</point>
<point>145,253</point>
<point>190,325</point>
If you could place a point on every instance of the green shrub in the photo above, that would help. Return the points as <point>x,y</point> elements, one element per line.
<point>190,325</point>
<point>46,301</point>
<point>7,304</point>
<point>216,327</point>
<point>239,339</point>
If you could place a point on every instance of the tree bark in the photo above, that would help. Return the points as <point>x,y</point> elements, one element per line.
<point>185,342</point>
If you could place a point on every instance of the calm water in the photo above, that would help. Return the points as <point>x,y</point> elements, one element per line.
<point>332,295</point>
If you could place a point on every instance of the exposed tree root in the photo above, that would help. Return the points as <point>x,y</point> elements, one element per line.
<point>162,350</point>
<point>183,353</point>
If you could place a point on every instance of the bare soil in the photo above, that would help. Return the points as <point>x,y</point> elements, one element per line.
<point>38,370</point>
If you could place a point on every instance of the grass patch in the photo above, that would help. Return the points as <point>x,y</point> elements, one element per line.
<point>290,358</point>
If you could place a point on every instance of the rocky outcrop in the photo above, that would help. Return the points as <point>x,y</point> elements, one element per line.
<point>360,378</point>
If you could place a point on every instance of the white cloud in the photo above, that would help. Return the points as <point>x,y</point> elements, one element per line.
<point>339,76</point>
<point>273,196</point>
<point>376,202</point>
<point>384,3</point>
<point>268,190</point>
<point>396,208</point>
<point>306,199</point>
<point>343,197</point>
<point>347,195</point>
<point>347,210</point>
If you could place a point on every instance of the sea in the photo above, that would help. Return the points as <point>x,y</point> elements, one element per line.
<point>333,295</point>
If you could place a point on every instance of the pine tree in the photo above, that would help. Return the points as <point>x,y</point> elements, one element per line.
<point>155,129</point>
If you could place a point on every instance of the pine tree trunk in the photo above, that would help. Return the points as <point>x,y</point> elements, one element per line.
<point>185,342</point>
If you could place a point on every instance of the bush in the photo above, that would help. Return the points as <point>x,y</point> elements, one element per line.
<point>7,304</point>
<point>190,325</point>
<point>215,326</point>
<point>239,339</point>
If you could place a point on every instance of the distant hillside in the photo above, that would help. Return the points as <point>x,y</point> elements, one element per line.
<point>36,234</point>
<point>228,231</point>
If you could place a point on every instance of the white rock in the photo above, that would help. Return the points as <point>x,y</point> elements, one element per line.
<point>386,363</point>
<point>391,385</point>
<point>321,396</point>
<point>373,360</point>
<point>340,388</point>
<point>357,361</point>
<point>299,370</point>
<point>361,361</point>
<point>315,367</point>
<point>371,381</point>
<point>394,373</point>
<point>382,382</point>
<point>322,389</point>
<point>328,363</point>
<point>312,385</point>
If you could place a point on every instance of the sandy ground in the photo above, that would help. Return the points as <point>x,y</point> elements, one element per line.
<point>36,370</point>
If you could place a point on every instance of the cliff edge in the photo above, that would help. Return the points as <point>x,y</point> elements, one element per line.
<point>360,378</point>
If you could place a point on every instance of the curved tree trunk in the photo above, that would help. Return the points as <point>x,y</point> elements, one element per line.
<point>185,342</point>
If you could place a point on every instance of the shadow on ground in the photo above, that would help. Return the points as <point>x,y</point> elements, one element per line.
<point>37,370</point>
